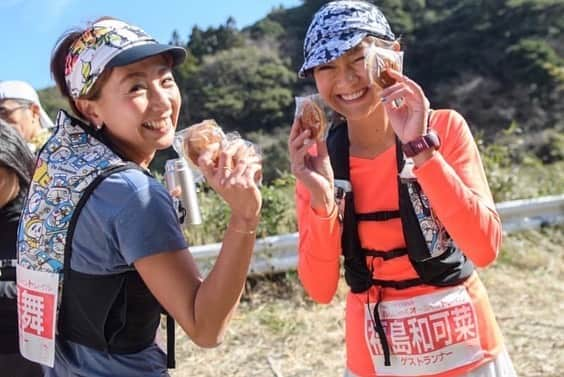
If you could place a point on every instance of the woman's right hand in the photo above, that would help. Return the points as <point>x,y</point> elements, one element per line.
<point>312,168</point>
<point>235,176</point>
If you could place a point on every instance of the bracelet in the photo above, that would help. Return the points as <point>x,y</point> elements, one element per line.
<point>244,231</point>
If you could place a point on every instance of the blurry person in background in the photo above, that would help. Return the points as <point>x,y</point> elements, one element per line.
<point>16,167</point>
<point>20,107</point>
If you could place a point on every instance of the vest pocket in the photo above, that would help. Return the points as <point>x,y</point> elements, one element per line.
<point>110,313</point>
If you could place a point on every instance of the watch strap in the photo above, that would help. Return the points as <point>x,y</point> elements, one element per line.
<point>420,144</point>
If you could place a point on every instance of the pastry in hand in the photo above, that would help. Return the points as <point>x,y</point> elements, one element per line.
<point>199,136</point>
<point>378,61</point>
<point>313,119</point>
<point>383,79</point>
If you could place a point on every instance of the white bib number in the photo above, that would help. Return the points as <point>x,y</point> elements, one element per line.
<point>428,334</point>
<point>37,314</point>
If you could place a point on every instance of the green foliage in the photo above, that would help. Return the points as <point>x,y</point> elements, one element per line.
<point>243,89</point>
<point>497,165</point>
<point>214,40</point>
<point>215,216</point>
<point>535,61</point>
<point>52,101</point>
<point>266,28</point>
<point>472,35</point>
<point>515,171</point>
<point>278,210</point>
<point>274,147</point>
<point>553,150</point>
<point>277,214</point>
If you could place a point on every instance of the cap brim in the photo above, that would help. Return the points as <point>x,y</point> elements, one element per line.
<point>44,119</point>
<point>137,53</point>
<point>321,54</point>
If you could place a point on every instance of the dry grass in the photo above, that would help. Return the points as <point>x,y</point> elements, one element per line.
<point>279,332</point>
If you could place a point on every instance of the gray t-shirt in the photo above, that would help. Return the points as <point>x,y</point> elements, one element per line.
<point>127,217</point>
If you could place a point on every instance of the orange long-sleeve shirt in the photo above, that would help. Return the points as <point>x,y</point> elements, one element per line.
<point>455,183</point>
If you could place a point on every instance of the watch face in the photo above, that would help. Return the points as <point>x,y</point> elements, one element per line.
<point>433,139</point>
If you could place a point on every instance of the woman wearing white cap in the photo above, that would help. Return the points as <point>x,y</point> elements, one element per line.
<point>400,192</point>
<point>16,168</point>
<point>98,223</point>
<point>20,107</point>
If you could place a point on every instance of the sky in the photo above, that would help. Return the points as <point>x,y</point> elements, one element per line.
<point>29,29</point>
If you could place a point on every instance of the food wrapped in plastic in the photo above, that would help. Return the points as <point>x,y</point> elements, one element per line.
<point>314,115</point>
<point>198,137</point>
<point>247,151</point>
<point>378,59</point>
<point>191,142</point>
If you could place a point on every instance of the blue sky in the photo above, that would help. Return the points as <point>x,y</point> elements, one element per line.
<point>30,28</point>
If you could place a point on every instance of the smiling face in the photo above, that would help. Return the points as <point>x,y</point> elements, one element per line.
<point>345,86</point>
<point>139,106</point>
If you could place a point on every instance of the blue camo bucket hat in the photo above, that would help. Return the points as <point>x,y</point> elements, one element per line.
<point>339,26</point>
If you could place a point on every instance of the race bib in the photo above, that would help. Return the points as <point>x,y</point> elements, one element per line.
<point>37,311</point>
<point>428,334</point>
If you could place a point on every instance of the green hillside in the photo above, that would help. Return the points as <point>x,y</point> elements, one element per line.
<point>498,62</point>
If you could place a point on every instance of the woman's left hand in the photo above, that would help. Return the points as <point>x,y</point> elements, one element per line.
<point>407,107</point>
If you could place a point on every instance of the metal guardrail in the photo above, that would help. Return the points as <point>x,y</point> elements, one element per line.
<point>279,253</point>
<point>526,214</point>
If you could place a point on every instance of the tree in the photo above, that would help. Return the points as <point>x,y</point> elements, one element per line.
<point>243,89</point>
<point>175,39</point>
<point>52,101</point>
<point>213,40</point>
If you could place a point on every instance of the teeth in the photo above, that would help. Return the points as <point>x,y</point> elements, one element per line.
<point>157,124</point>
<point>353,96</point>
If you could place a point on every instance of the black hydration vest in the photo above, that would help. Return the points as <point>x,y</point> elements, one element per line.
<point>9,215</point>
<point>448,268</point>
<point>113,313</point>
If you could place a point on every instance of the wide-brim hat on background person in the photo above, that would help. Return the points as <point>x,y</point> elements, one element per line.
<point>21,90</point>
<point>339,26</point>
<point>110,43</point>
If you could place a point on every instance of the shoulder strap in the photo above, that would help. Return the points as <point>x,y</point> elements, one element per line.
<point>338,149</point>
<point>447,267</point>
<point>357,275</point>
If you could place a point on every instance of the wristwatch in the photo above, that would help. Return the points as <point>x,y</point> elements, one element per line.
<point>420,144</point>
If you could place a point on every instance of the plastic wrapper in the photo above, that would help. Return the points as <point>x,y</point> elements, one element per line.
<point>195,139</point>
<point>191,142</point>
<point>378,59</point>
<point>315,115</point>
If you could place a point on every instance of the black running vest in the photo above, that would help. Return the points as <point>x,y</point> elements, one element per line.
<point>446,267</point>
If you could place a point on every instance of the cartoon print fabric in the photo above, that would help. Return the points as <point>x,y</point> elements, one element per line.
<point>89,54</point>
<point>66,166</point>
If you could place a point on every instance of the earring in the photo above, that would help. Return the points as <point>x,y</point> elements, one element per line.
<point>98,127</point>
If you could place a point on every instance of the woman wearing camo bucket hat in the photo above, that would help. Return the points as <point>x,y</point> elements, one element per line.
<point>400,192</point>
<point>100,249</point>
